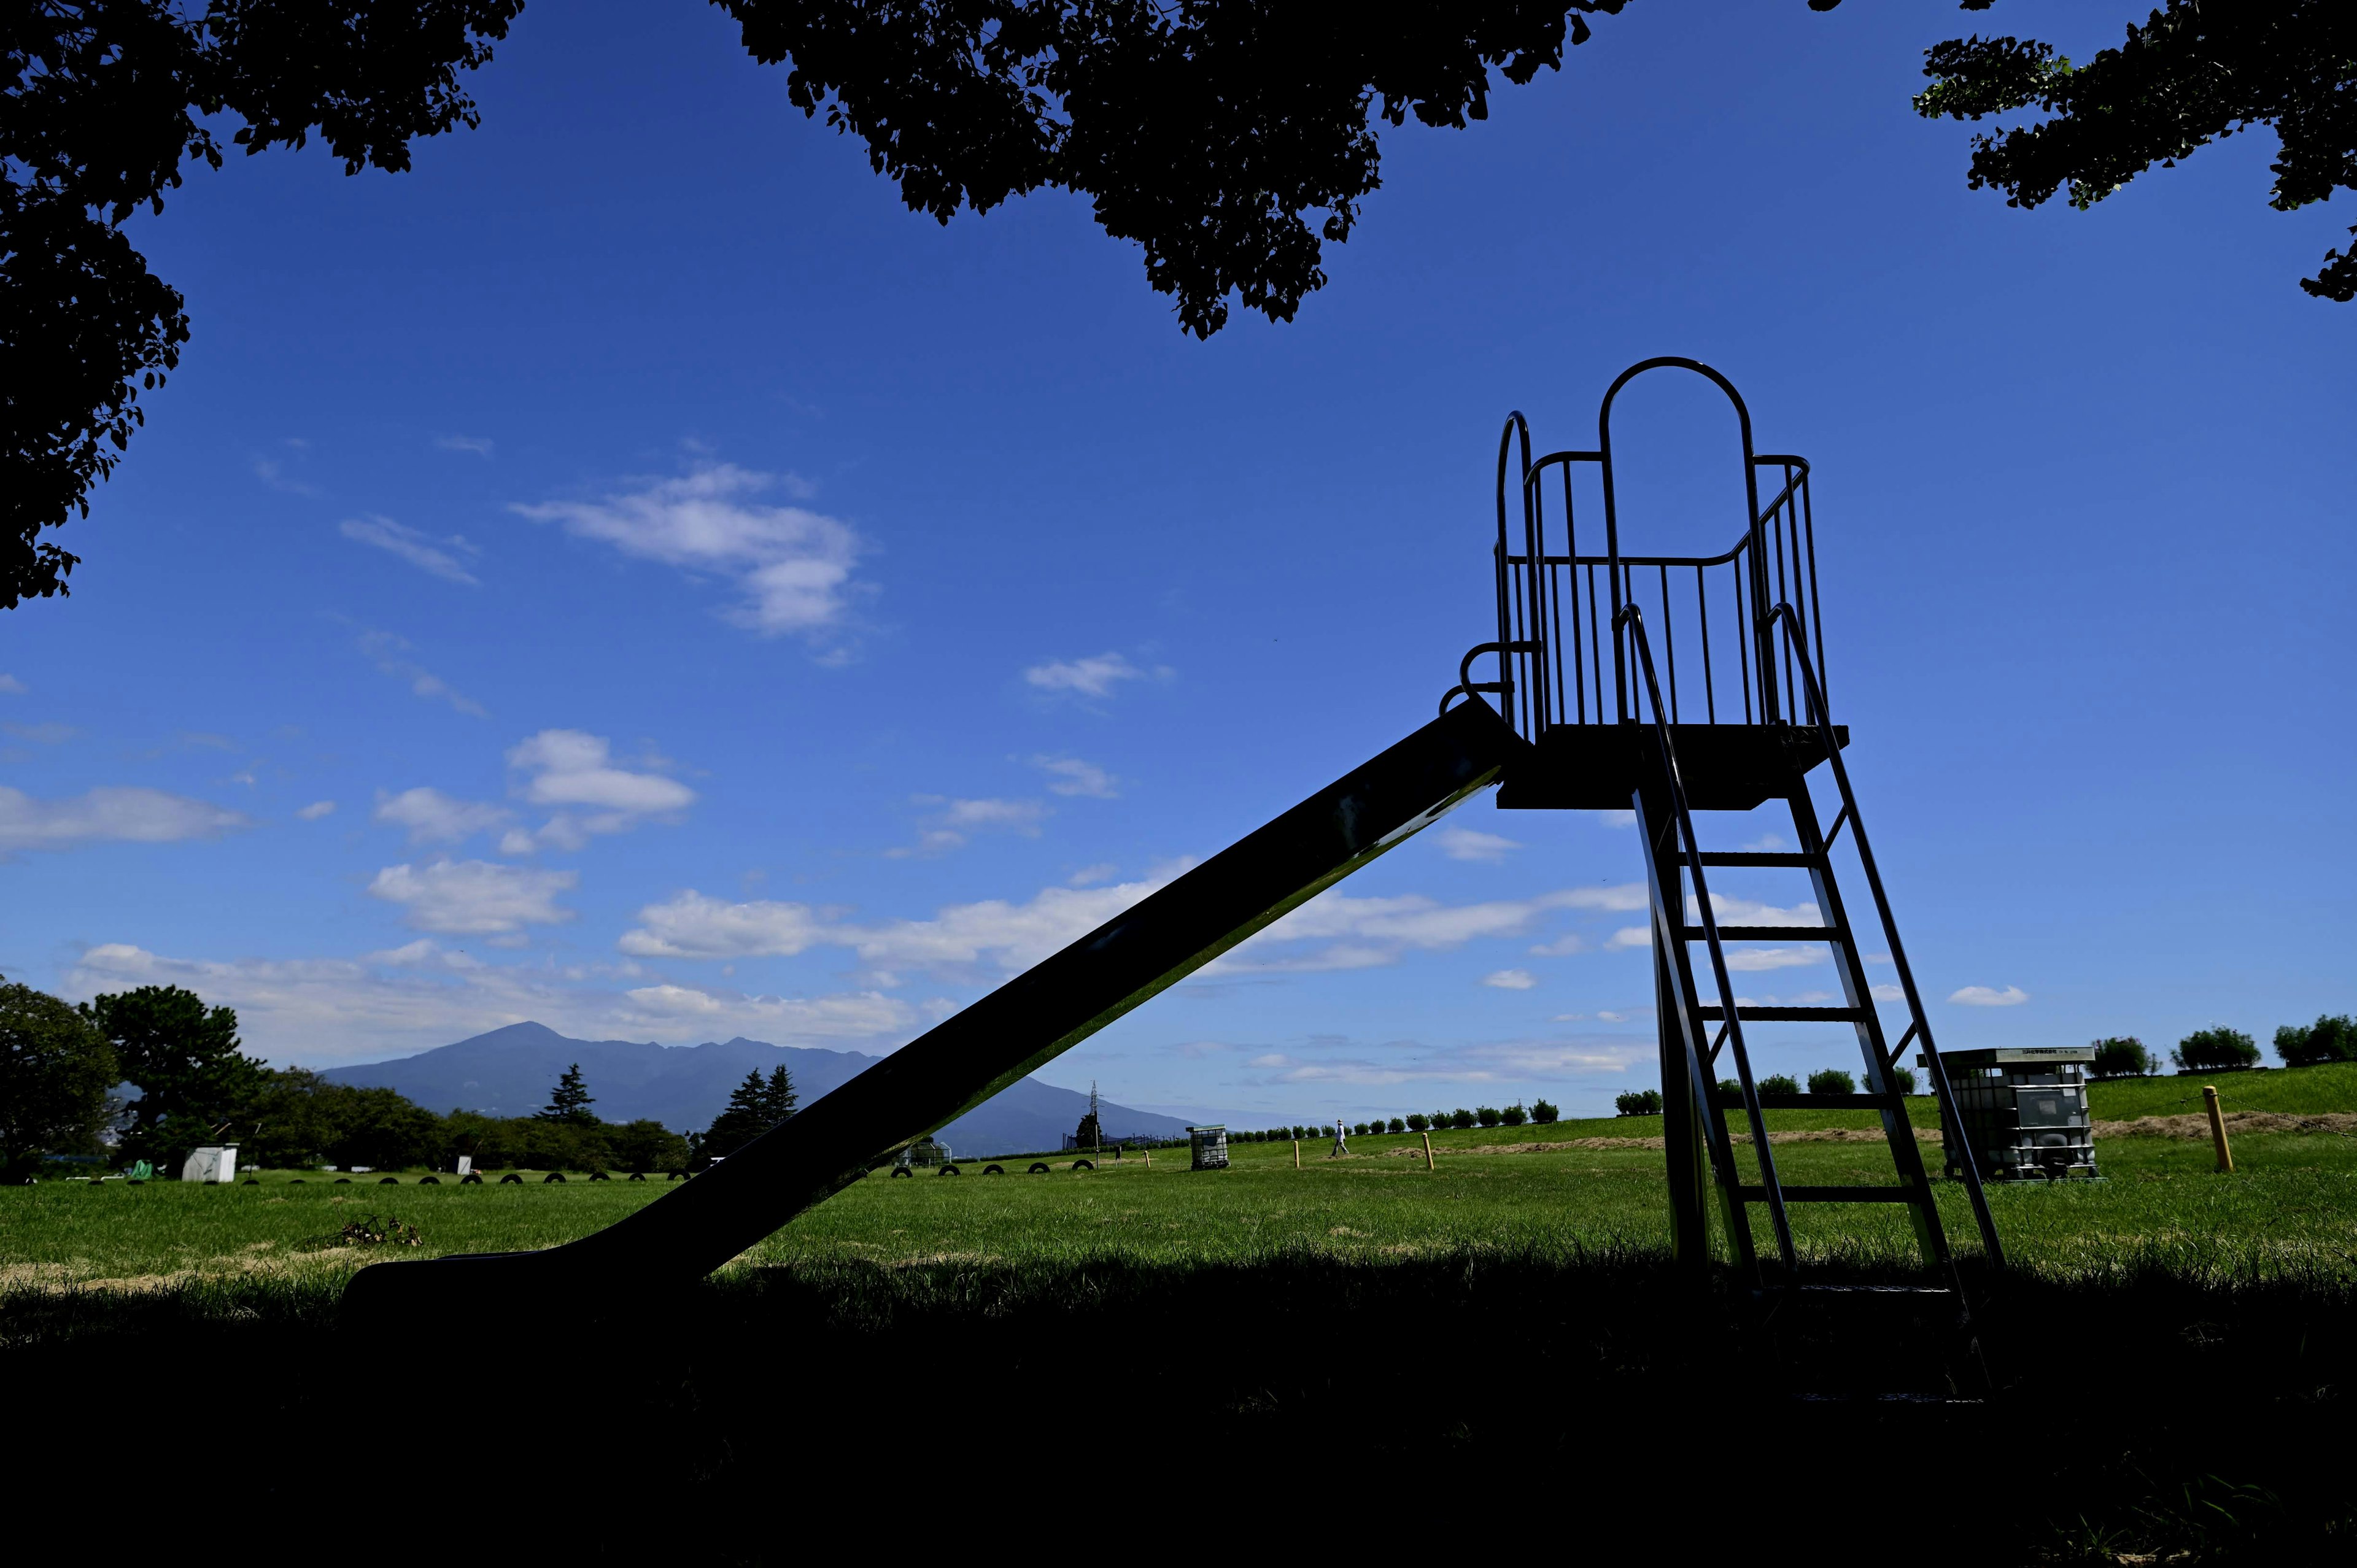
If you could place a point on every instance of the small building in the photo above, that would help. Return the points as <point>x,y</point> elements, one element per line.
<point>2024,1109</point>
<point>1206,1148</point>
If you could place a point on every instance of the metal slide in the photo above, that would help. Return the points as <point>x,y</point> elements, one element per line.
<point>1024,1024</point>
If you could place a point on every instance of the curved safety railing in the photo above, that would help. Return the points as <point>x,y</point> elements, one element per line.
<point>1562,653</point>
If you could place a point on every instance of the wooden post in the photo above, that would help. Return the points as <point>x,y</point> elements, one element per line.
<point>1427,1151</point>
<point>2218,1128</point>
<point>1297,1154</point>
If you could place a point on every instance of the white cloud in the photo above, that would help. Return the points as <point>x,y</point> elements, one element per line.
<point>1623,818</point>
<point>792,566</point>
<point>1629,936</point>
<point>1071,775</point>
<point>1465,843</point>
<point>386,650</point>
<point>858,1016</point>
<point>475,897</point>
<point>1369,932</point>
<point>1090,677</point>
<point>692,926</point>
<point>50,734</point>
<point>480,446</point>
<point>1012,937</point>
<point>573,771</point>
<point>1511,980</point>
<point>1088,874</point>
<point>1888,992</point>
<point>274,475</point>
<point>1564,946</point>
<point>1988,996</point>
<point>1743,959</point>
<point>421,995</point>
<point>421,550</point>
<point>316,810</point>
<point>11,685</point>
<point>432,817</point>
<point>114,814</point>
<point>948,828</point>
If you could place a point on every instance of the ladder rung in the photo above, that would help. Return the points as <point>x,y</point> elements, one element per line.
<point>1792,1015</point>
<point>1768,933</point>
<point>1836,1194</point>
<point>1808,1102</point>
<point>1751,858</point>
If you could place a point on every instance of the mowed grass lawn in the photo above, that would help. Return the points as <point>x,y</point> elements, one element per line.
<point>2289,1212</point>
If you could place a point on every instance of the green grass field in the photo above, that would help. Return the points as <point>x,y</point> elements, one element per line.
<point>2288,1212</point>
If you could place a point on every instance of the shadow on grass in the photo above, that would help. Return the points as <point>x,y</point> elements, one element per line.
<point>2139,1414</point>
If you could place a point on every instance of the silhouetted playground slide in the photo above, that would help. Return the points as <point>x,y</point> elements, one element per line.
<point>1028,1022</point>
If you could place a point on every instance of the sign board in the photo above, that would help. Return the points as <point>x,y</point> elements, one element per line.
<point>466,1163</point>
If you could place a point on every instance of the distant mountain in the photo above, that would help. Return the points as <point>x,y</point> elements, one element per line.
<point>510,1071</point>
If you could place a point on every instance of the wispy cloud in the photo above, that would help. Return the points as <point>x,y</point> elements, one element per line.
<point>316,810</point>
<point>116,815</point>
<point>1465,843</point>
<point>1511,980</point>
<point>272,472</point>
<point>1989,997</point>
<point>1364,933</point>
<point>423,994</point>
<point>1071,775</point>
<point>421,550</point>
<point>50,734</point>
<point>1091,677</point>
<point>480,446</point>
<point>475,897</point>
<point>573,771</point>
<point>11,685</point>
<point>390,654</point>
<point>793,567</point>
<point>993,933</point>
<point>431,817</point>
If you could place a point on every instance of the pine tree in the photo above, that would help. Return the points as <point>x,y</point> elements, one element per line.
<point>780,1100</point>
<point>569,1101</point>
<point>742,1120</point>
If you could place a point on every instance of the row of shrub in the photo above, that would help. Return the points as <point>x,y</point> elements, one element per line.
<point>1830,1081</point>
<point>1540,1111</point>
<point>2331,1038</point>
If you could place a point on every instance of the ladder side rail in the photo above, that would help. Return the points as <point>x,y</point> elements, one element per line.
<point>1906,1154</point>
<point>1921,1020</point>
<point>1671,954</point>
<point>1778,1216</point>
<point>1509,598</point>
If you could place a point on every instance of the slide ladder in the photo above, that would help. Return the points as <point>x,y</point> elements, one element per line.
<point>1685,918</point>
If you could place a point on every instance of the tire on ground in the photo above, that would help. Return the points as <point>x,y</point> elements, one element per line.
<point>993,1170</point>
<point>1038,1167</point>
<point>1084,1165</point>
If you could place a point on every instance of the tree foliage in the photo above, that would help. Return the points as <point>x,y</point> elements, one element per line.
<point>754,1107</point>
<point>1231,139</point>
<point>2123,1055</point>
<point>55,1072</point>
<point>2331,1038</point>
<point>570,1100</point>
<point>101,102</point>
<point>183,1059</point>
<point>2193,72</point>
<point>2216,1050</point>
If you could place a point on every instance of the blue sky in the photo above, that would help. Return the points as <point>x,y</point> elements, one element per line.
<point>630,573</point>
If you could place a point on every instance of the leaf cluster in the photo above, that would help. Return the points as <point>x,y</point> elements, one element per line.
<point>1231,139</point>
<point>55,1072</point>
<point>2191,73</point>
<point>101,103</point>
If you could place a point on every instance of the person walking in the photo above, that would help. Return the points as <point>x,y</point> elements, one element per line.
<point>1341,1148</point>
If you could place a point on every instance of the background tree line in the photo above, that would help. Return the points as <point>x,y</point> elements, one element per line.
<point>64,1071</point>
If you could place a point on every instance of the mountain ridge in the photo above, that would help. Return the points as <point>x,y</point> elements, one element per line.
<point>508,1072</point>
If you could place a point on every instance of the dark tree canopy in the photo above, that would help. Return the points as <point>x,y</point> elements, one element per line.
<point>184,1059</point>
<point>754,1107</point>
<point>570,1100</point>
<point>55,1071</point>
<point>1230,138</point>
<point>2193,72</point>
<point>102,101</point>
